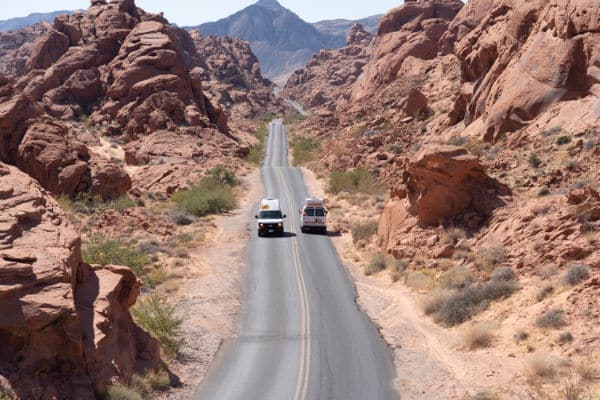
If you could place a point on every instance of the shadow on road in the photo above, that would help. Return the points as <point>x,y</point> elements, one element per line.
<point>321,233</point>
<point>275,236</point>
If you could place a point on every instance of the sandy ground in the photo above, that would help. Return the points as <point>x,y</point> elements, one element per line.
<point>431,362</point>
<point>209,297</point>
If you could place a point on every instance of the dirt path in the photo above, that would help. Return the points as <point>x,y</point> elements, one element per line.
<point>209,298</point>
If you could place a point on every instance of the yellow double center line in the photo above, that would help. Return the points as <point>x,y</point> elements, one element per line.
<point>304,369</point>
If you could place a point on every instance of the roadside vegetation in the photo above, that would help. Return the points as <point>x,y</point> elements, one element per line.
<point>358,181</point>
<point>213,195</point>
<point>304,150</point>
<point>86,203</point>
<point>293,118</point>
<point>158,317</point>
<point>257,152</point>
<point>105,251</point>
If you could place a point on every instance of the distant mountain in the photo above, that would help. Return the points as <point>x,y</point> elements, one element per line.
<point>281,40</point>
<point>341,27</point>
<point>22,22</point>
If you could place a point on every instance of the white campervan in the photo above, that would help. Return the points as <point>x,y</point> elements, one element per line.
<point>270,218</point>
<point>314,215</point>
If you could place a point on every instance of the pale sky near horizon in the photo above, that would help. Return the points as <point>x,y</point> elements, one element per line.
<point>182,13</point>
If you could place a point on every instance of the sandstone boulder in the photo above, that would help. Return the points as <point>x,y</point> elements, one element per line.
<point>445,182</point>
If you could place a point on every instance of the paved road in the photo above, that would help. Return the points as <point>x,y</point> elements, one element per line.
<point>302,335</point>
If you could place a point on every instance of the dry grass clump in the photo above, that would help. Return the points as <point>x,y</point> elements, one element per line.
<point>479,335</point>
<point>575,274</point>
<point>123,392</point>
<point>485,395</point>
<point>545,291</point>
<point>588,369</point>
<point>554,318</point>
<point>541,365</point>
<point>547,271</point>
<point>453,236</point>
<point>487,258</point>
<point>376,264</point>
<point>418,281</point>
<point>434,301</point>
<point>457,277</point>
<point>364,230</point>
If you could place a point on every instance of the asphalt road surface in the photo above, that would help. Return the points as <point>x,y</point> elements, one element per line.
<point>301,335</point>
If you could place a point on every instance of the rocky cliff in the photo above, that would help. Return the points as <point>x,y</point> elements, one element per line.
<point>65,327</point>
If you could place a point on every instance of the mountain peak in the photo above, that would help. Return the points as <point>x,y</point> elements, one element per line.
<point>272,4</point>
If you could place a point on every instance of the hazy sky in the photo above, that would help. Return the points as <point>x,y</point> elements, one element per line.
<point>189,12</point>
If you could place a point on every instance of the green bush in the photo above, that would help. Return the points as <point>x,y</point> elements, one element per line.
<point>209,197</point>
<point>554,318</point>
<point>304,150</point>
<point>292,118</point>
<point>104,251</point>
<point>224,176</point>
<point>465,303</point>
<point>123,392</point>
<point>364,230</point>
<point>257,152</point>
<point>357,181</point>
<point>158,317</point>
<point>575,274</point>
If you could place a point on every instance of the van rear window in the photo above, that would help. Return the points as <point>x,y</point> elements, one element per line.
<point>309,212</point>
<point>320,212</point>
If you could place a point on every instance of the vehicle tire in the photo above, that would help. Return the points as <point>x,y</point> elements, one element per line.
<point>324,230</point>
<point>302,229</point>
<point>260,234</point>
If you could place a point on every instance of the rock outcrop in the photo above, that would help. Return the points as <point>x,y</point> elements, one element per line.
<point>446,182</point>
<point>522,57</point>
<point>16,47</point>
<point>233,79</point>
<point>326,79</point>
<point>65,327</point>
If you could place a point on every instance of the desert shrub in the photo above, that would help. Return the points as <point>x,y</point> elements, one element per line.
<point>155,277</point>
<point>563,140</point>
<point>541,365</point>
<point>157,379</point>
<point>457,277</point>
<point>453,235</point>
<point>572,390</point>
<point>478,335</point>
<point>547,271</point>
<point>465,303</point>
<point>552,131</point>
<point>304,150</point>
<point>521,335</point>
<point>534,160</point>
<point>554,318</point>
<point>104,251</point>
<point>294,117</point>
<point>123,392</point>
<point>375,264</point>
<point>257,152</point>
<point>434,301</point>
<point>575,274</point>
<point>223,175</point>
<point>487,258</point>
<point>181,218</point>
<point>120,203</point>
<point>506,274</point>
<point>364,230</point>
<point>543,191</point>
<point>587,369</point>
<point>565,337</point>
<point>544,292</point>
<point>159,318</point>
<point>418,280</point>
<point>208,197</point>
<point>357,181</point>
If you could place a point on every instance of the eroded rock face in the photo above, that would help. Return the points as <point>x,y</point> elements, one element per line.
<point>65,328</point>
<point>445,182</point>
<point>522,57</point>
<point>16,48</point>
<point>327,77</point>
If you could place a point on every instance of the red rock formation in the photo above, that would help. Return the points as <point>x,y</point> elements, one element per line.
<point>446,182</point>
<point>16,47</point>
<point>233,79</point>
<point>327,77</point>
<point>524,56</point>
<point>65,328</point>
